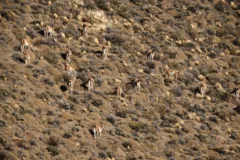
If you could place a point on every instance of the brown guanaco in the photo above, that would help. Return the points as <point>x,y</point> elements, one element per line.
<point>71,84</point>
<point>171,72</point>
<point>49,31</point>
<point>90,84</point>
<point>26,43</point>
<point>97,131</point>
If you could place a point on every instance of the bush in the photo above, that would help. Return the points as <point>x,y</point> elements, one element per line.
<point>103,4</point>
<point>74,99</point>
<point>115,38</point>
<point>4,155</point>
<point>122,114</point>
<point>4,94</point>
<point>137,126</point>
<point>111,118</point>
<point>52,58</point>
<point>53,141</point>
<point>53,149</point>
<point>67,135</point>
<point>97,102</point>
<point>89,4</point>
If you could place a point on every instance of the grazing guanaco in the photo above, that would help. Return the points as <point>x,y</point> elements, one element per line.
<point>238,94</point>
<point>203,88</point>
<point>49,31</point>
<point>71,84</point>
<point>119,91</point>
<point>137,84</point>
<point>68,55</point>
<point>26,43</point>
<point>97,131</point>
<point>27,59</point>
<point>90,84</point>
<point>104,52</point>
<point>69,69</point>
<point>171,72</point>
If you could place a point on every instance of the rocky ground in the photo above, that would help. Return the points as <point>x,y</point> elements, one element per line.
<point>167,120</point>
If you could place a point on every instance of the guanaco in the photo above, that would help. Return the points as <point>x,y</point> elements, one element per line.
<point>27,59</point>
<point>137,84</point>
<point>26,43</point>
<point>85,29</point>
<point>69,69</point>
<point>151,55</point>
<point>71,84</point>
<point>68,55</point>
<point>104,52</point>
<point>49,31</point>
<point>203,88</point>
<point>90,84</point>
<point>97,131</point>
<point>171,72</point>
<point>119,92</point>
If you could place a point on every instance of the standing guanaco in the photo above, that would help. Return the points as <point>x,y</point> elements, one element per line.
<point>90,84</point>
<point>68,55</point>
<point>71,84</point>
<point>151,55</point>
<point>49,31</point>
<point>137,84</point>
<point>104,52</point>
<point>69,69</point>
<point>27,59</point>
<point>203,88</point>
<point>171,72</point>
<point>85,29</point>
<point>97,131</point>
<point>26,43</point>
<point>119,91</point>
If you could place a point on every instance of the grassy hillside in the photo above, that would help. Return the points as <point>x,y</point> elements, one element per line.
<point>168,119</point>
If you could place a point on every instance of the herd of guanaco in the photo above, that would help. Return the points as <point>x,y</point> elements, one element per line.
<point>97,130</point>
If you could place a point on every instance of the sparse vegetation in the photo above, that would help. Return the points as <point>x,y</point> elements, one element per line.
<point>44,116</point>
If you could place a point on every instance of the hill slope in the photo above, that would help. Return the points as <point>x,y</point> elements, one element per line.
<point>167,119</point>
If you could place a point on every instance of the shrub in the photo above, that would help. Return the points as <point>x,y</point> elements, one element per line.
<point>160,108</point>
<point>151,65</point>
<point>137,126</point>
<point>89,4</point>
<point>122,114</point>
<point>53,149</point>
<point>74,99</point>
<point>52,58</point>
<point>32,33</point>
<point>5,155</point>
<point>111,118</point>
<point>67,135</point>
<point>97,102</point>
<point>47,81</point>
<point>4,94</point>
<point>103,4</point>
<point>53,141</point>
<point>115,38</point>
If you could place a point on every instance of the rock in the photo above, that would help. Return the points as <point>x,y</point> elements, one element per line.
<point>201,77</point>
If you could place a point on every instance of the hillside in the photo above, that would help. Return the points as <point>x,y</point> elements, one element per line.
<point>186,111</point>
